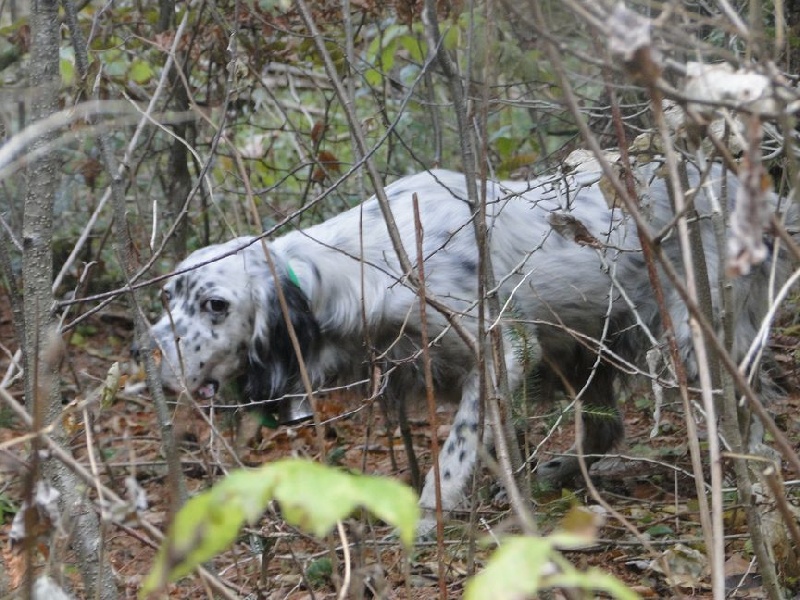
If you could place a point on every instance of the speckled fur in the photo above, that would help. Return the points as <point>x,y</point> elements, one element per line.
<point>352,302</point>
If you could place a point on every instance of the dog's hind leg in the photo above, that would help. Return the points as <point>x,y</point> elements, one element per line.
<point>602,425</point>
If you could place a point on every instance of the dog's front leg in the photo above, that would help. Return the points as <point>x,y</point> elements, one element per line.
<point>456,457</point>
<point>459,453</point>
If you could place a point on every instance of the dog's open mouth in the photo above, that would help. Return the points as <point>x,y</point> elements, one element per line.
<point>208,389</point>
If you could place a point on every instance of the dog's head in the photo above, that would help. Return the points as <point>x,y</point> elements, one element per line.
<point>223,322</point>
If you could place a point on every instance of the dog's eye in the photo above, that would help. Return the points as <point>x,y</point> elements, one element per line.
<point>215,306</point>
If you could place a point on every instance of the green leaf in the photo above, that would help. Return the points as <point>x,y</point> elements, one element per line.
<point>381,54</point>
<point>387,56</point>
<point>595,580</point>
<point>298,492</point>
<point>77,339</point>
<point>373,77</point>
<point>210,521</point>
<point>451,38</point>
<point>67,66</point>
<point>505,146</point>
<point>511,572</point>
<point>522,566</point>
<point>659,530</point>
<point>115,63</point>
<point>319,571</point>
<point>140,71</point>
<point>414,46</point>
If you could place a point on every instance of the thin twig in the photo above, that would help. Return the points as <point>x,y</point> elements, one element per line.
<point>430,398</point>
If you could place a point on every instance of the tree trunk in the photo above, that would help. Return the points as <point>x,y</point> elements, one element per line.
<point>42,346</point>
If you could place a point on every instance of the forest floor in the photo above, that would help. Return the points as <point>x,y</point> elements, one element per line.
<point>654,492</point>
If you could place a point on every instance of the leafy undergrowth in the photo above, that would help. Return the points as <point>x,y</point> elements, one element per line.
<point>657,496</point>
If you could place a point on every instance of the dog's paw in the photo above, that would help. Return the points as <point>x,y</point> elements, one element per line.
<point>557,471</point>
<point>426,527</point>
<point>500,499</point>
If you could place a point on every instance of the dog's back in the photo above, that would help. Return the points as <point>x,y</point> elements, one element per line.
<point>566,286</point>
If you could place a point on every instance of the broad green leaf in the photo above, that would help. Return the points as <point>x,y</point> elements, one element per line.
<point>522,566</point>
<point>381,53</point>
<point>198,532</point>
<point>387,56</point>
<point>311,496</point>
<point>140,71</point>
<point>505,146</point>
<point>452,37</point>
<point>297,490</point>
<point>385,40</point>
<point>594,580</point>
<point>373,77</point>
<point>414,46</point>
<point>512,570</point>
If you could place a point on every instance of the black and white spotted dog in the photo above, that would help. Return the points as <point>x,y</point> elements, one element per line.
<point>350,302</point>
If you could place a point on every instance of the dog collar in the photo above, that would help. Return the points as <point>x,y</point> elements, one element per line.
<point>292,275</point>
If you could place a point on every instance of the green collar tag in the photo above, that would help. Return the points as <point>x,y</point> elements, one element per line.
<point>292,275</point>
<point>269,420</point>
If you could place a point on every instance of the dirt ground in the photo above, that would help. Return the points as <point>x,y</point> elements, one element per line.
<point>655,493</point>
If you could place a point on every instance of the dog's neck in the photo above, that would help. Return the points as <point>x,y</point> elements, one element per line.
<point>329,278</point>
<point>292,275</point>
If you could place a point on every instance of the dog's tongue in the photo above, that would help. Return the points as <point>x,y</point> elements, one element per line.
<point>207,390</point>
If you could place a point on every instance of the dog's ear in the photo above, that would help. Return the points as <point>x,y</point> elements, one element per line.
<point>273,369</point>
